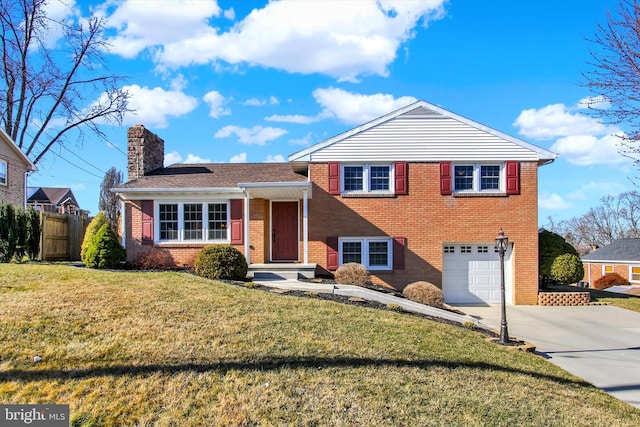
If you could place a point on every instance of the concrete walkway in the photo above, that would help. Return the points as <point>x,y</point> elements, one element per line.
<point>600,344</point>
<point>368,294</point>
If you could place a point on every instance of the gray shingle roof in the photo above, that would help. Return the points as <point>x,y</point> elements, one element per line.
<point>53,195</point>
<point>618,250</point>
<point>215,175</point>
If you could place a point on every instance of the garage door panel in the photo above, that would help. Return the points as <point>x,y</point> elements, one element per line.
<point>472,276</point>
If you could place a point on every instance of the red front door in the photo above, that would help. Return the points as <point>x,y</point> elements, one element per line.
<point>284,233</point>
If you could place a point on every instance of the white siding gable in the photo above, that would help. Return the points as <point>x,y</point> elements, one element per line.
<point>422,133</point>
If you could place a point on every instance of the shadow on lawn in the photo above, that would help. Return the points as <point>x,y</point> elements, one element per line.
<point>272,364</point>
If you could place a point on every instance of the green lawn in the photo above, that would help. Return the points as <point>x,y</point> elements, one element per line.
<point>132,348</point>
<point>626,301</point>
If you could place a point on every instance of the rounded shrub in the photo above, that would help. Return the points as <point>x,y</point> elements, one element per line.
<point>567,269</point>
<point>221,262</point>
<point>609,280</point>
<point>98,221</point>
<point>104,250</point>
<point>424,293</point>
<point>352,273</point>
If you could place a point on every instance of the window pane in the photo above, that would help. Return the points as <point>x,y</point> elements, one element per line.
<point>489,177</point>
<point>608,269</point>
<point>379,177</point>
<point>3,172</point>
<point>168,222</point>
<point>378,253</point>
<point>353,178</point>
<point>193,221</point>
<point>217,221</point>
<point>351,252</point>
<point>463,177</point>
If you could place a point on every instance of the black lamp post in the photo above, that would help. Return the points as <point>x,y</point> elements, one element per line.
<point>502,243</point>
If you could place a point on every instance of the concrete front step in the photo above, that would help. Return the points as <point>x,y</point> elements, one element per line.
<point>284,271</point>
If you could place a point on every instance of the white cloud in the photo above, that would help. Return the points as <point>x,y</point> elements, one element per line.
<point>216,104</point>
<point>230,14</point>
<point>593,190</point>
<point>172,158</point>
<point>154,106</point>
<point>595,102</point>
<point>175,157</point>
<point>278,158</point>
<point>305,140</point>
<point>581,140</point>
<point>553,201</point>
<point>555,121</point>
<point>193,159</point>
<point>294,118</point>
<point>354,108</point>
<point>239,158</point>
<point>346,40</point>
<point>584,150</point>
<point>146,24</point>
<point>256,102</point>
<point>256,135</point>
<point>58,13</point>
<point>179,83</point>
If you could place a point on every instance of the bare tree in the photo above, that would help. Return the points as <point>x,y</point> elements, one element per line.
<point>109,202</point>
<point>614,77</point>
<point>615,218</point>
<point>46,91</point>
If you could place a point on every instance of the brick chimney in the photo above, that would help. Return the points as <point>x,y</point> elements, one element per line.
<point>146,152</point>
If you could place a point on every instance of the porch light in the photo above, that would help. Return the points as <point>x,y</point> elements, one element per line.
<point>502,243</point>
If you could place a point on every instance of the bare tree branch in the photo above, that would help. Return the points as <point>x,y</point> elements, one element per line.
<point>46,92</point>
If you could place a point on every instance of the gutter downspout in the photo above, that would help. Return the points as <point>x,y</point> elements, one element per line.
<point>305,225</point>
<point>245,220</point>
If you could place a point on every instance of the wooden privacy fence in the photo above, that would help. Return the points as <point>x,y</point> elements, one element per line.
<point>61,236</point>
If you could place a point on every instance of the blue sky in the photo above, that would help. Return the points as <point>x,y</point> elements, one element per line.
<point>255,81</point>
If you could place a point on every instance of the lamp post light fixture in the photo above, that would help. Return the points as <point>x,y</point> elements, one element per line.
<point>502,243</point>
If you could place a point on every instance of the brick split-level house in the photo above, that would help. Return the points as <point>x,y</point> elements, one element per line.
<point>14,169</point>
<point>417,194</point>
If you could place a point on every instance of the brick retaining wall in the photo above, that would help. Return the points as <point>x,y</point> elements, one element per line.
<point>564,298</point>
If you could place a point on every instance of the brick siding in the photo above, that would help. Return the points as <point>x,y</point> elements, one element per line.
<point>428,220</point>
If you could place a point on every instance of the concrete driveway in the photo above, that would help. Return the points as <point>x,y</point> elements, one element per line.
<point>600,344</point>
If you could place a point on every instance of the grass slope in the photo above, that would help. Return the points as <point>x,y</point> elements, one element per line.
<point>131,348</point>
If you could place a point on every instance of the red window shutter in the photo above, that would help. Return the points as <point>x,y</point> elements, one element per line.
<point>332,253</point>
<point>399,244</point>
<point>334,178</point>
<point>445,178</point>
<point>400,176</point>
<point>236,222</point>
<point>147,222</point>
<point>513,177</point>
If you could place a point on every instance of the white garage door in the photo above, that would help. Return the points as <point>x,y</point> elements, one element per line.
<point>471,274</point>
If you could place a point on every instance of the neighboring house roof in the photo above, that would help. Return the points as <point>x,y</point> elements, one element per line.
<point>621,250</point>
<point>5,137</point>
<point>216,177</point>
<point>52,195</point>
<point>421,132</point>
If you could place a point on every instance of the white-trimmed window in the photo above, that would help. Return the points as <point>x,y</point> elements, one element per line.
<point>375,253</point>
<point>634,273</point>
<point>478,178</point>
<point>3,172</point>
<point>607,269</point>
<point>367,178</point>
<point>193,222</point>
